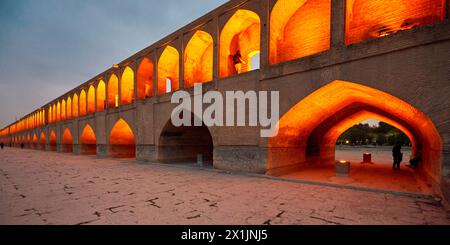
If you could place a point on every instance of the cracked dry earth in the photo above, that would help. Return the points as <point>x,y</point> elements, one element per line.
<point>52,188</point>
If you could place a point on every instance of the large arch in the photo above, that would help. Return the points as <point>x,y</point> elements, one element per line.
<point>168,70</point>
<point>127,86</point>
<point>241,33</point>
<point>35,141</point>
<point>67,141</point>
<point>121,141</point>
<point>184,144</point>
<point>52,141</point>
<point>145,88</point>
<point>82,103</point>
<point>75,106</point>
<point>101,96</point>
<point>42,141</point>
<point>305,131</point>
<point>198,59</point>
<point>91,100</point>
<point>113,92</point>
<point>368,19</point>
<point>88,141</point>
<point>299,28</point>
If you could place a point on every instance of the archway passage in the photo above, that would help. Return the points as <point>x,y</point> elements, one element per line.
<point>42,141</point>
<point>308,131</point>
<point>121,141</point>
<point>88,141</point>
<point>299,28</point>
<point>67,142</point>
<point>113,92</point>
<point>35,142</point>
<point>145,88</point>
<point>101,96</point>
<point>239,42</point>
<point>369,19</point>
<point>168,71</point>
<point>52,141</point>
<point>198,59</point>
<point>127,86</point>
<point>91,100</point>
<point>185,144</point>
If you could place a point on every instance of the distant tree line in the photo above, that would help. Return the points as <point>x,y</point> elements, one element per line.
<point>364,134</point>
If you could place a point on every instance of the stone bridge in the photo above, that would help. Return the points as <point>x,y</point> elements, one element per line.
<point>335,63</point>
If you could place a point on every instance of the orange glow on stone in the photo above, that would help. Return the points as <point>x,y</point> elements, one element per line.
<point>241,33</point>
<point>75,106</point>
<point>52,138</point>
<point>88,136</point>
<point>69,108</point>
<point>42,139</point>
<point>369,19</point>
<point>67,137</point>
<point>299,28</point>
<point>101,96</point>
<point>198,59</point>
<point>91,100</point>
<point>82,103</point>
<point>127,86</point>
<point>58,113</point>
<point>63,110</point>
<point>145,88</point>
<point>113,91</point>
<point>168,68</point>
<point>121,134</point>
<point>313,125</point>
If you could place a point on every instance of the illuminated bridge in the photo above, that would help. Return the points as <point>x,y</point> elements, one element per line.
<point>335,62</point>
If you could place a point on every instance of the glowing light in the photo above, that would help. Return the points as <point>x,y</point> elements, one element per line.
<point>145,79</point>
<point>101,96</point>
<point>198,59</point>
<point>91,100</point>
<point>69,108</point>
<point>241,34</point>
<point>121,140</point>
<point>299,28</point>
<point>75,106</point>
<point>127,86</point>
<point>113,91</point>
<point>168,68</point>
<point>368,19</point>
<point>63,110</point>
<point>82,103</point>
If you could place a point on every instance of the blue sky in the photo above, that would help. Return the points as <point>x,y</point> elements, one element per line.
<point>48,47</point>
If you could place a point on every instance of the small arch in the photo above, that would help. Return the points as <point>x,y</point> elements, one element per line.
<point>101,96</point>
<point>127,86</point>
<point>75,106</point>
<point>50,114</point>
<point>82,103</point>
<point>91,100</point>
<point>239,37</point>
<point>121,141</point>
<point>88,141</point>
<point>63,110</point>
<point>198,59</point>
<point>67,142</point>
<point>145,88</point>
<point>58,112</point>
<point>113,92</point>
<point>69,108</point>
<point>168,68</point>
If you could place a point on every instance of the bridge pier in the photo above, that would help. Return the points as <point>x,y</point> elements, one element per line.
<point>146,153</point>
<point>102,151</point>
<point>251,159</point>
<point>76,149</point>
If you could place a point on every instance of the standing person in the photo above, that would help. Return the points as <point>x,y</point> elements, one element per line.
<point>2,145</point>
<point>398,156</point>
<point>417,158</point>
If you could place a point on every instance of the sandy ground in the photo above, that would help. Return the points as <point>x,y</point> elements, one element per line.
<point>51,188</point>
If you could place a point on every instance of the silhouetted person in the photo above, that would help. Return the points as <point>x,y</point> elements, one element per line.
<point>22,146</point>
<point>2,145</point>
<point>237,61</point>
<point>398,155</point>
<point>417,158</point>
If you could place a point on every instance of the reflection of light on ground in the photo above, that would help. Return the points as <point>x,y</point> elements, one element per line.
<point>380,155</point>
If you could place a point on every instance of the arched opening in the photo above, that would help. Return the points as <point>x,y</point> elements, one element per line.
<point>168,69</point>
<point>88,141</point>
<point>91,100</point>
<point>198,59</point>
<point>50,114</point>
<point>299,28</point>
<point>55,119</point>
<point>127,86</point>
<point>185,144</point>
<point>113,92</point>
<point>69,108</point>
<point>35,141</point>
<point>75,106</point>
<point>67,142</point>
<point>58,112</point>
<point>42,141</point>
<point>82,103</point>
<point>63,110</point>
<point>309,131</point>
<point>121,141</point>
<point>101,96</point>
<point>52,141</point>
<point>369,19</point>
<point>145,79</point>
<point>240,37</point>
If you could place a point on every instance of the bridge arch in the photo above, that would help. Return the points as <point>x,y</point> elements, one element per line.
<point>113,92</point>
<point>240,34</point>
<point>121,141</point>
<point>69,108</point>
<point>91,100</point>
<point>58,112</point>
<point>101,96</point>
<point>145,76</point>
<point>75,112</point>
<point>34,141</point>
<point>82,103</point>
<point>67,141</point>
<point>168,70</point>
<point>88,141</point>
<point>198,59</point>
<point>299,28</point>
<point>52,141</point>
<point>184,144</point>
<point>306,130</point>
<point>42,141</point>
<point>127,86</point>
